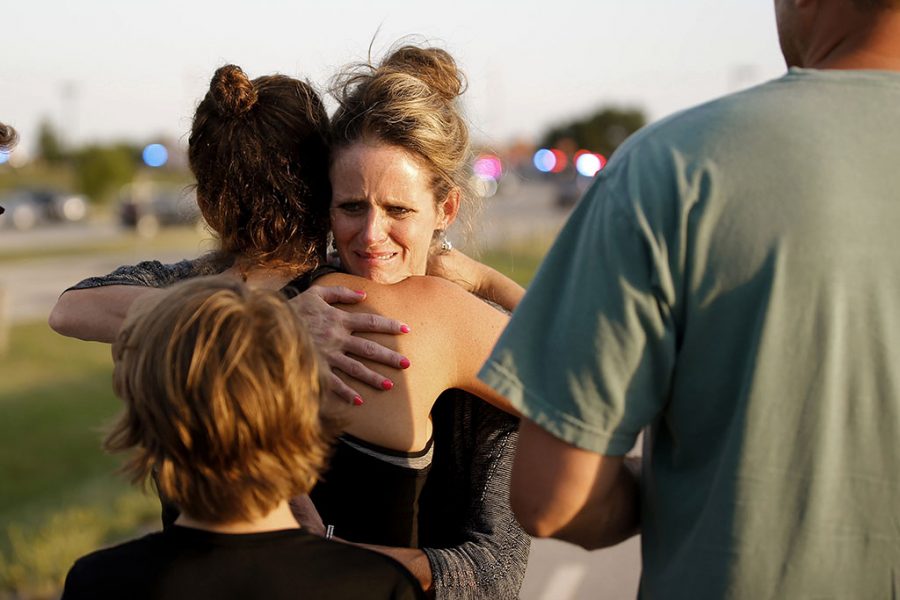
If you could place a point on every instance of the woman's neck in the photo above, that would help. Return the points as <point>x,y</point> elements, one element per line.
<point>277,519</point>
<point>265,276</point>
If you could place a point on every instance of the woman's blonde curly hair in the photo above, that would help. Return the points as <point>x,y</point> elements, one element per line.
<point>409,100</point>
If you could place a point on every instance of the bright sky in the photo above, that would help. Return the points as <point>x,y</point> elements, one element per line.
<point>122,69</point>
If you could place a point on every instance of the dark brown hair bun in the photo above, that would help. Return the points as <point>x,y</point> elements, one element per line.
<point>8,137</point>
<point>262,177</point>
<point>232,91</point>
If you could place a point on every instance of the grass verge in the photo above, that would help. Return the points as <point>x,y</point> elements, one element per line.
<point>60,497</point>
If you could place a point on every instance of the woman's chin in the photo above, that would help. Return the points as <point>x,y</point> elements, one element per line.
<point>387,278</point>
<point>378,275</point>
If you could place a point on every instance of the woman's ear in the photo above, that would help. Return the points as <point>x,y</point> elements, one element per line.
<point>448,209</point>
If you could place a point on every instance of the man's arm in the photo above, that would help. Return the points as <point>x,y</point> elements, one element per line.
<point>564,492</point>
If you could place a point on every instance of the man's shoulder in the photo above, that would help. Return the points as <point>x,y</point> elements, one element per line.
<point>711,120</point>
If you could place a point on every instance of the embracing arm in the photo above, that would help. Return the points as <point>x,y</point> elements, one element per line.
<point>95,314</point>
<point>477,278</point>
<point>94,308</point>
<point>564,492</point>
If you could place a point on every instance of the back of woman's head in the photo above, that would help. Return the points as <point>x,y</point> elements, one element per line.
<point>259,151</point>
<point>222,389</point>
<point>410,101</point>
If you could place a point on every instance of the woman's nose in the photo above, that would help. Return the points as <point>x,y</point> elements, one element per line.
<point>375,229</point>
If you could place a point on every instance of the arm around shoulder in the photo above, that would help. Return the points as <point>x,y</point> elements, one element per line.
<point>477,278</point>
<point>95,314</point>
<point>94,309</point>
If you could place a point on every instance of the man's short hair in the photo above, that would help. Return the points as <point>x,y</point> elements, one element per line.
<point>222,389</point>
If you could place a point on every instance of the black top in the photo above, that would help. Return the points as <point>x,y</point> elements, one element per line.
<point>371,493</point>
<point>187,563</point>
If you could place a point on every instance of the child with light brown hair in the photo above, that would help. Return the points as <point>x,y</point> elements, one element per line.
<point>222,390</point>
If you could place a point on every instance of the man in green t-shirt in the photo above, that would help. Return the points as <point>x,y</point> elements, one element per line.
<point>731,283</point>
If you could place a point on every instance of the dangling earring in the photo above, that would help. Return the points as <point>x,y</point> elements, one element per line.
<point>332,257</point>
<point>443,242</point>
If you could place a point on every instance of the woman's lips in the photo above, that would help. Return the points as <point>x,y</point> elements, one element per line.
<point>375,257</point>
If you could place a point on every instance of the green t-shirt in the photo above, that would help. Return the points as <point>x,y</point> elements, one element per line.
<point>732,281</point>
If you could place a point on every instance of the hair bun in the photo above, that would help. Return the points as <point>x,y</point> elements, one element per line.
<point>433,66</point>
<point>232,91</point>
<point>8,137</point>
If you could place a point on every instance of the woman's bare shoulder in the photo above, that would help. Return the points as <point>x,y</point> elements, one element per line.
<point>421,286</point>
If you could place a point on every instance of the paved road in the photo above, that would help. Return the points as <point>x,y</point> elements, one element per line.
<point>32,286</point>
<point>556,571</point>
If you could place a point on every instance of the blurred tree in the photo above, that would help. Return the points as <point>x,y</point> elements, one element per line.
<point>50,146</point>
<point>101,170</point>
<point>600,132</point>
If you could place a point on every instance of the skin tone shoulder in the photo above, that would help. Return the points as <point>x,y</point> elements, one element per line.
<point>451,335</point>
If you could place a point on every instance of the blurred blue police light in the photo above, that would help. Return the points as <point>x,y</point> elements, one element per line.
<point>544,160</point>
<point>4,156</point>
<point>155,155</point>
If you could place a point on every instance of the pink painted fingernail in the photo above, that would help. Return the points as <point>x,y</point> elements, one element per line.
<point>387,384</point>
<point>357,401</point>
<point>360,292</point>
<point>404,363</point>
<point>404,329</point>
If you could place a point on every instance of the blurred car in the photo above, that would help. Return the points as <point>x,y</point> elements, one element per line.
<point>146,207</point>
<point>570,188</point>
<point>21,212</point>
<point>60,206</point>
<point>29,207</point>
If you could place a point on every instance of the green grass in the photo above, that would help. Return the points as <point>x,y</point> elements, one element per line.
<point>519,264</point>
<point>55,395</point>
<point>59,495</point>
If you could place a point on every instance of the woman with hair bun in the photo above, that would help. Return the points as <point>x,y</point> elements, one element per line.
<point>400,169</point>
<point>398,172</point>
